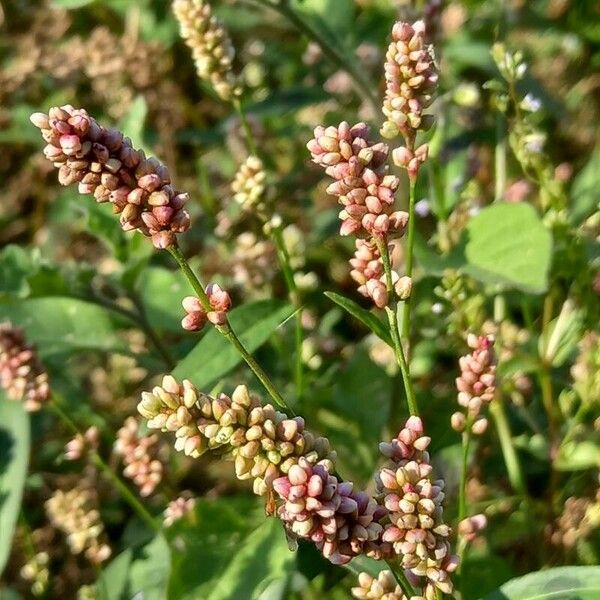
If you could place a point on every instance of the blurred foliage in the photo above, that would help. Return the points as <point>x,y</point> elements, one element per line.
<point>506,244</point>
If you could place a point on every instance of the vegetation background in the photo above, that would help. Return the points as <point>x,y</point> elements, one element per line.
<point>507,243</point>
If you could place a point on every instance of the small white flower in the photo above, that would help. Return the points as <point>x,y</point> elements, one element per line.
<point>530,103</point>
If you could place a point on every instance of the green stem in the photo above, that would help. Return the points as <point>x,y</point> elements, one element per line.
<point>462,490</point>
<point>246,127</point>
<point>500,160</point>
<point>401,578</point>
<point>140,320</point>
<point>288,274</point>
<point>337,55</point>
<point>513,466</point>
<point>207,198</point>
<point>392,315</point>
<point>125,492</point>
<point>137,506</point>
<point>226,330</point>
<point>410,243</point>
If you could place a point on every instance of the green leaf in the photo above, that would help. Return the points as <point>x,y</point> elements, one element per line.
<point>367,318</point>
<point>227,550</point>
<point>59,324</point>
<point>508,244</point>
<point>352,411</point>
<point>584,192</point>
<point>334,18</point>
<point>262,559</point>
<point>71,4</point>
<point>214,356</point>
<point>158,288</point>
<point>142,572</point>
<point>14,456</point>
<point>560,583</point>
<point>579,454</point>
<point>15,266</point>
<point>113,581</point>
<point>482,572</point>
<point>464,53</point>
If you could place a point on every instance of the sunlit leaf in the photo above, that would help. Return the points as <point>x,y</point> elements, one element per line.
<point>59,324</point>
<point>14,456</point>
<point>560,583</point>
<point>508,244</point>
<point>367,318</point>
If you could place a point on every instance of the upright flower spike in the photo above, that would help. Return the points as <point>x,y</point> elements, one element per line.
<point>476,384</point>
<point>22,375</point>
<point>211,47</point>
<point>367,193</point>
<point>103,163</point>
<point>411,79</point>
<point>140,456</point>
<point>362,184</point>
<point>367,271</point>
<point>414,503</point>
<point>248,185</point>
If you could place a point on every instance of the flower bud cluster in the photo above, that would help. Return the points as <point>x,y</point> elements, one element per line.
<point>382,587</point>
<point>196,316</point>
<point>22,375</point>
<point>75,513</point>
<point>367,271</point>
<point>248,185</point>
<point>36,571</point>
<point>476,385</point>
<point>510,64</point>
<point>414,503</point>
<point>103,163</point>
<point>342,523</point>
<point>178,508</point>
<point>139,456</point>
<point>76,447</point>
<point>471,527</point>
<point>579,520</point>
<point>411,79</point>
<point>253,262</point>
<point>362,184</point>
<point>211,47</point>
<point>263,442</point>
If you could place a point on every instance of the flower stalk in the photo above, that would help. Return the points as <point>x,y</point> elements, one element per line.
<point>226,329</point>
<point>98,461</point>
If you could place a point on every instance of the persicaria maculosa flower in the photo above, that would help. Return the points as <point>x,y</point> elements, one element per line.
<point>103,162</point>
<point>211,47</point>
<point>413,500</point>
<point>140,456</point>
<point>476,384</point>
<point>22,375</point>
